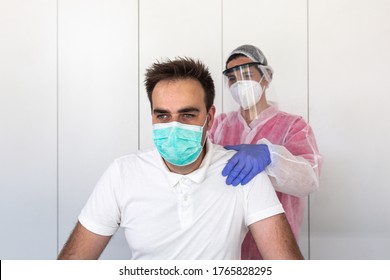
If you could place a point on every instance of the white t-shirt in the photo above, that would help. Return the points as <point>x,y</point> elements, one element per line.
<point>166,215</point>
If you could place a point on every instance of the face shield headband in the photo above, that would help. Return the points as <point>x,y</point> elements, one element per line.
<point>248,71</point>
<point>235,68</point>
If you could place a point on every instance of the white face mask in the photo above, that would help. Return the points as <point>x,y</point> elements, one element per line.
<point>246,93</point>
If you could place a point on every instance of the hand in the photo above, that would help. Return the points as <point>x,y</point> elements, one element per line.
<point>249,161</point>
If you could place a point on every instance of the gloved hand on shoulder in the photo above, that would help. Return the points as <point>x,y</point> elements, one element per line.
<point>250,160</point>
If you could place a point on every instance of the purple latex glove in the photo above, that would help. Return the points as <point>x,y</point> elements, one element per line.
<point>249,161</point>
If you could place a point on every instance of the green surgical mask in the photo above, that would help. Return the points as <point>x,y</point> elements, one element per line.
<point>179,144</point>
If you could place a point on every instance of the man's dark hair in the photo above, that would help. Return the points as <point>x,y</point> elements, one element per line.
<point>180,69</point>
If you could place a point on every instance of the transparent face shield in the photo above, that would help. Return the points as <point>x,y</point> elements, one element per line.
<point>249,86</point>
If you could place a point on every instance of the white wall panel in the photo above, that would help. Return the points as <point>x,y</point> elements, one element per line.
<point>174,28</point>
<point>279,29</point>
<point>98,101</point>
<point>28,121</point>
<point>94,108</point>
<point>349,109</point>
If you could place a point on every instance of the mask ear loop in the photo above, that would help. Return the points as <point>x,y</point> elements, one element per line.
<point>205,121</point>
<point>262,77</point>
<point>204,124</point>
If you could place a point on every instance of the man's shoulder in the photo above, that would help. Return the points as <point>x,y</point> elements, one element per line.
<point>147,156</point>
<point>220,154</point>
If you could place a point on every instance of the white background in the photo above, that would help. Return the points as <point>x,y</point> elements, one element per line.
<point>72,99</point>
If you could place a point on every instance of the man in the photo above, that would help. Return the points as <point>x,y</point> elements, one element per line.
<point>267,139</point>
<point>171,200</point>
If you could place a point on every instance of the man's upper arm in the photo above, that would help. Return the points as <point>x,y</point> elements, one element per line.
<point>83,245</point>
<point>274,238</point>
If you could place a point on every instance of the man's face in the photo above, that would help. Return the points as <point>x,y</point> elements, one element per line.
<point>181,101</point>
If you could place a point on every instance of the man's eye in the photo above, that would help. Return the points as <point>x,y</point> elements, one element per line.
<point>161,116</point>
<point>188,116</point>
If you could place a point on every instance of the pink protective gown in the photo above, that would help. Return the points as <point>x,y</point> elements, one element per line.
<point>295,160</point>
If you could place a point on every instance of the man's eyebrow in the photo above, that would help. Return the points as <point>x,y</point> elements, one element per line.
<point>184,110</point>
<point>160,111</point>
<point>189,109</point>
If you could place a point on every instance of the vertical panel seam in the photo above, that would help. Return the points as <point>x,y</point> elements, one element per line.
<point>308,116</point>
<point>57,136</point>
<point>139,76</point>
<point>222,64</point>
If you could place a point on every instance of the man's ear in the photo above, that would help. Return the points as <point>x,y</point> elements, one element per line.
<point>210,117</point>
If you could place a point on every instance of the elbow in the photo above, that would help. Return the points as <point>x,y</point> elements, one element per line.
<point>299,188</point>
<point>307,188</point>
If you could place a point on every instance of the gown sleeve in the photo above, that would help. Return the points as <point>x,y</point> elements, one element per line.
<point>295,165</point>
